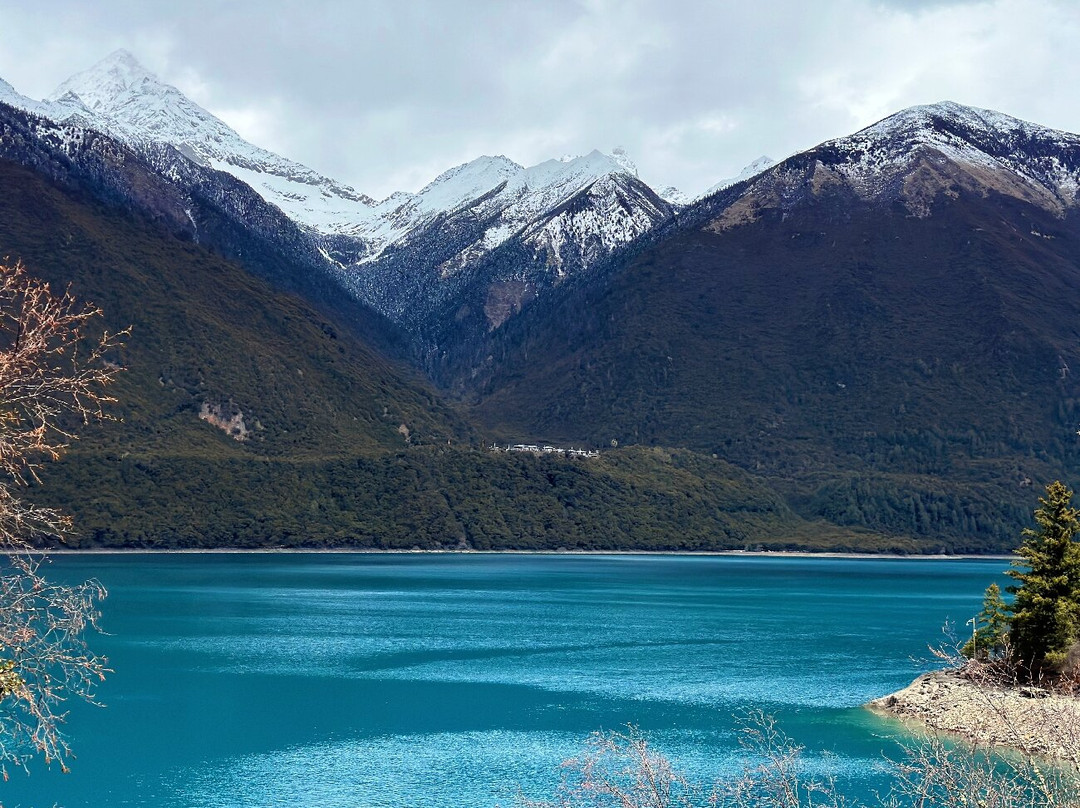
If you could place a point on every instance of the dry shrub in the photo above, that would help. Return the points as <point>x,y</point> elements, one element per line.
<point>621,770</point>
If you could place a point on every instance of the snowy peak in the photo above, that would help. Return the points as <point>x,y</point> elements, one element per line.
<point>620,156</point>
<point>136,106</point>
<point>495,190</point>
<point>1014,157</point>
<point>674,196</point>
<point>8,92</point>
<point>966,134</point>
<point>552,181</point>
<point>933,122</point>
<point>9,95</point>
<point>922,155</point>
<point>468,181</point>
<point>556,219</point>
<point>109,83</point>
<point>127,101</point>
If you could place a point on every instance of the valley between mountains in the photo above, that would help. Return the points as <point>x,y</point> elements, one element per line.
<point>871,345</point>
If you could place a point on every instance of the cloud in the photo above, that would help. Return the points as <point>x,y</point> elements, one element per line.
<point>383,94</point>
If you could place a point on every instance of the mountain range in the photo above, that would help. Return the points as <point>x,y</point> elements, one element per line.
<point>868,344</point>
<point>567,214</point>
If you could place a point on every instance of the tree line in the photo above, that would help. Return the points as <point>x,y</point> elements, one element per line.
<point>1037,636</point>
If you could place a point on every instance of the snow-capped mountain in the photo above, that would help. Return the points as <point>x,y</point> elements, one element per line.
<point>9,95</point>
<point>64,110</point>
<point>485,238</point>
<point>674,196</point>
<point>132,104</point>
<point>1026,159</point>
<point>492,235</point>
<point>511,197</point>
<point>128,102</point>
<point>920,153</point>
<point>470,210</point>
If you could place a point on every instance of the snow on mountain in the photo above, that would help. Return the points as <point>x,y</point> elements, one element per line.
<point>562,215</point>
<point>620,156</point>
<point>613,212</point>
<point>759,165</point>
<point>58,111</point>
<point>674,196</point>
<point>130,103</point>
<point>1014,156</point>
<point>921,154</point>
<point>491,189</point>
<point>9,95</point>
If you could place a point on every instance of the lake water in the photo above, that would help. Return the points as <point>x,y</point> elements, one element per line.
<point>454,680</point>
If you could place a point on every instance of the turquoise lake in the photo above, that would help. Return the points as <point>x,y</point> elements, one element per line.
<point>457,680</point>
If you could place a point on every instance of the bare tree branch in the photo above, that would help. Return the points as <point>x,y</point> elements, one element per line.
<point>52,376</point>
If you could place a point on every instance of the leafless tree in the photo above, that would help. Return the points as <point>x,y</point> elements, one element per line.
<point>937,774</point>
<point>620,770</point>
<point>774,774</point>
<point>53,377</point>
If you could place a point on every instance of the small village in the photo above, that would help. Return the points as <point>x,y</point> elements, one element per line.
<point>531,448</point>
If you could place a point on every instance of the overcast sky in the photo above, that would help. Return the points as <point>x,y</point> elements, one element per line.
<point>386,95</point>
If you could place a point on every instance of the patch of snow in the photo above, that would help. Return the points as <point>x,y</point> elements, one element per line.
<point>759,165</point>
<point>982,138</point>
<point>674,196</point>
<point>194,224</point>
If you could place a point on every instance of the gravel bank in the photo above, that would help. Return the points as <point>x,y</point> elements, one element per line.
<point>1027,719</point>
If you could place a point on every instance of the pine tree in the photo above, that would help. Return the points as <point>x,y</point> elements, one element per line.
<point>992,626</point>
<point>1046,609</point>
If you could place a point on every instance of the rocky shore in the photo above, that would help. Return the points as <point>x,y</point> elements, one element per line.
<point>1028,719</point>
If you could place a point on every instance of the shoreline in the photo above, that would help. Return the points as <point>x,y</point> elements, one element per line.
<point>1028,720</point>
<point>359,551</point>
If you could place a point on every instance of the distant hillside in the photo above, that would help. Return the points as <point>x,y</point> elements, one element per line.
<point>341,447</point>
<point>885,327</point>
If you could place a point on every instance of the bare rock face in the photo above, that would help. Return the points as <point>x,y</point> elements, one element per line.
<point>505,299</point>
<point>226,417</point>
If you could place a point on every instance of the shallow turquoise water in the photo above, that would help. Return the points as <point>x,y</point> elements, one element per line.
<point>453,680</point>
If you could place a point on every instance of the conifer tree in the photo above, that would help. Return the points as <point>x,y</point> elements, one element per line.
<point>991,627</point>
<point>1046,608</point>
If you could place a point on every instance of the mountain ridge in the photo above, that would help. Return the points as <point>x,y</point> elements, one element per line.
<point>892,348</point>
<point>362,240</point>
<point>249,419</point>
<point>974,148</point>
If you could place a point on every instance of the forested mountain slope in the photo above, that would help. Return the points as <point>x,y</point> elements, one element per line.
<point>885,326</point>
<point>248,418</point>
